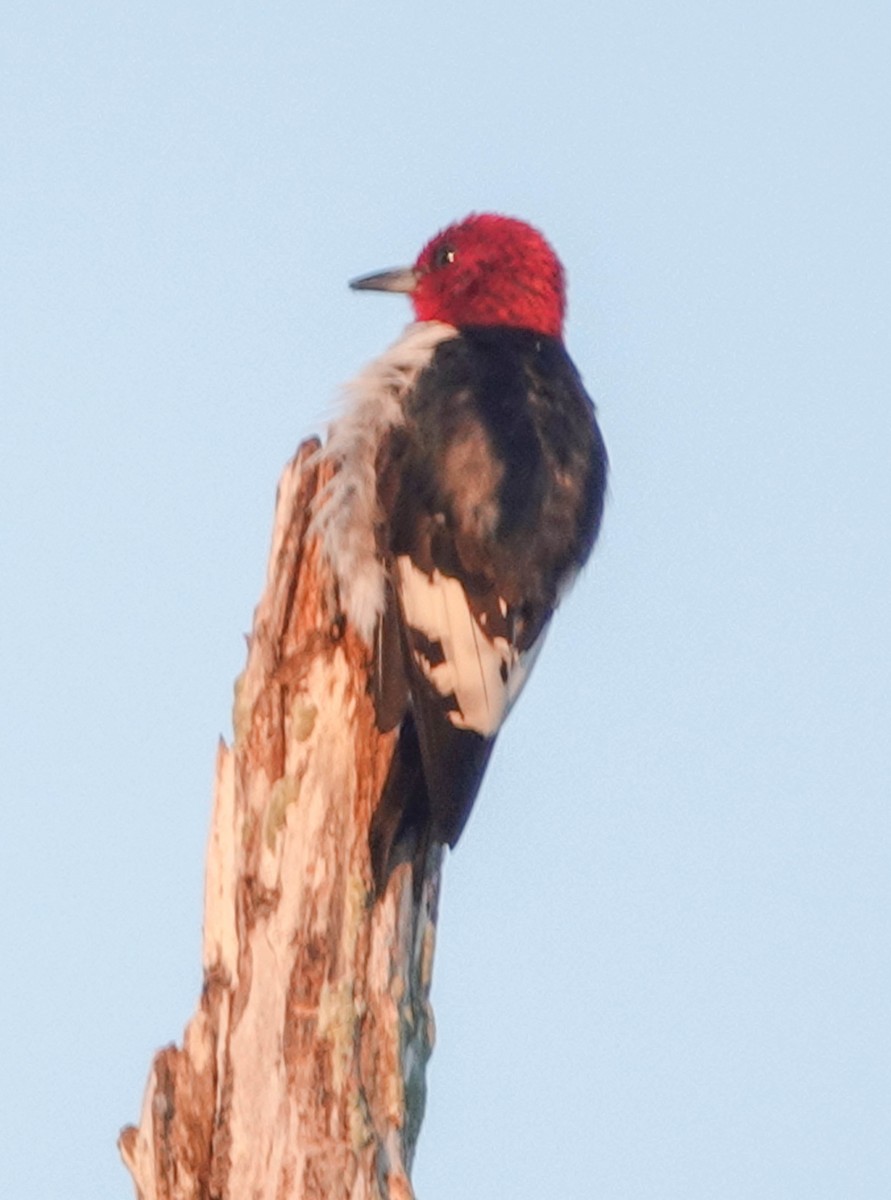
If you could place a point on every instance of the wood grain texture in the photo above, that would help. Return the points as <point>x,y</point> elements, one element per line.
<point>302,1072</point>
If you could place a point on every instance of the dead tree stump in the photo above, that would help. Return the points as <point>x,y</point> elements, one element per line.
<point>301,1075</point>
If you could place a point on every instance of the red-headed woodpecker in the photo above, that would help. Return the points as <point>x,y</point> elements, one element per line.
<point>468,493</point>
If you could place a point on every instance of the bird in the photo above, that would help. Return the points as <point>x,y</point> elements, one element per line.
<point>468,487</point>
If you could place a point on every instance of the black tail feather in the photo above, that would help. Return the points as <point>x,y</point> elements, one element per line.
<point>400,828</point>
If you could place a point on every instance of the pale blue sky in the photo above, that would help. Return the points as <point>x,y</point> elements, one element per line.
<point>663,968</point>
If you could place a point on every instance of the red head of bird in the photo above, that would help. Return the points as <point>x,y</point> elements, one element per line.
<point>484,270</point>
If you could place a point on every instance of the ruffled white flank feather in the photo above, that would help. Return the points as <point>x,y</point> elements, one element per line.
<point>347,511</point>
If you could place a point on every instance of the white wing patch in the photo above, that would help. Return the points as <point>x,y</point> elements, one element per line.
<point>484,674</point>
<point>346,510</point>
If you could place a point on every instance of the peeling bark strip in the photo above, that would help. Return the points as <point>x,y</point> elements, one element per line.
<point>301,1075</point>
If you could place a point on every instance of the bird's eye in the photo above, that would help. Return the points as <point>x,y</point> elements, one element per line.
<point>443,256</point>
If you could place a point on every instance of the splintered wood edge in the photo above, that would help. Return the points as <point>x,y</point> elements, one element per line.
<point>186,1096</point>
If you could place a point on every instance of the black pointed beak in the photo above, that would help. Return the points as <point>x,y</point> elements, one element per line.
<point>402,279</point>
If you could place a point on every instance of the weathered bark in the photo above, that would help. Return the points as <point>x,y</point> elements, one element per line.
<point>301,1075</point>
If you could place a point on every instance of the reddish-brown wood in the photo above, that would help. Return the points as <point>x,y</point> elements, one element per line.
<point>301,1074</point>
